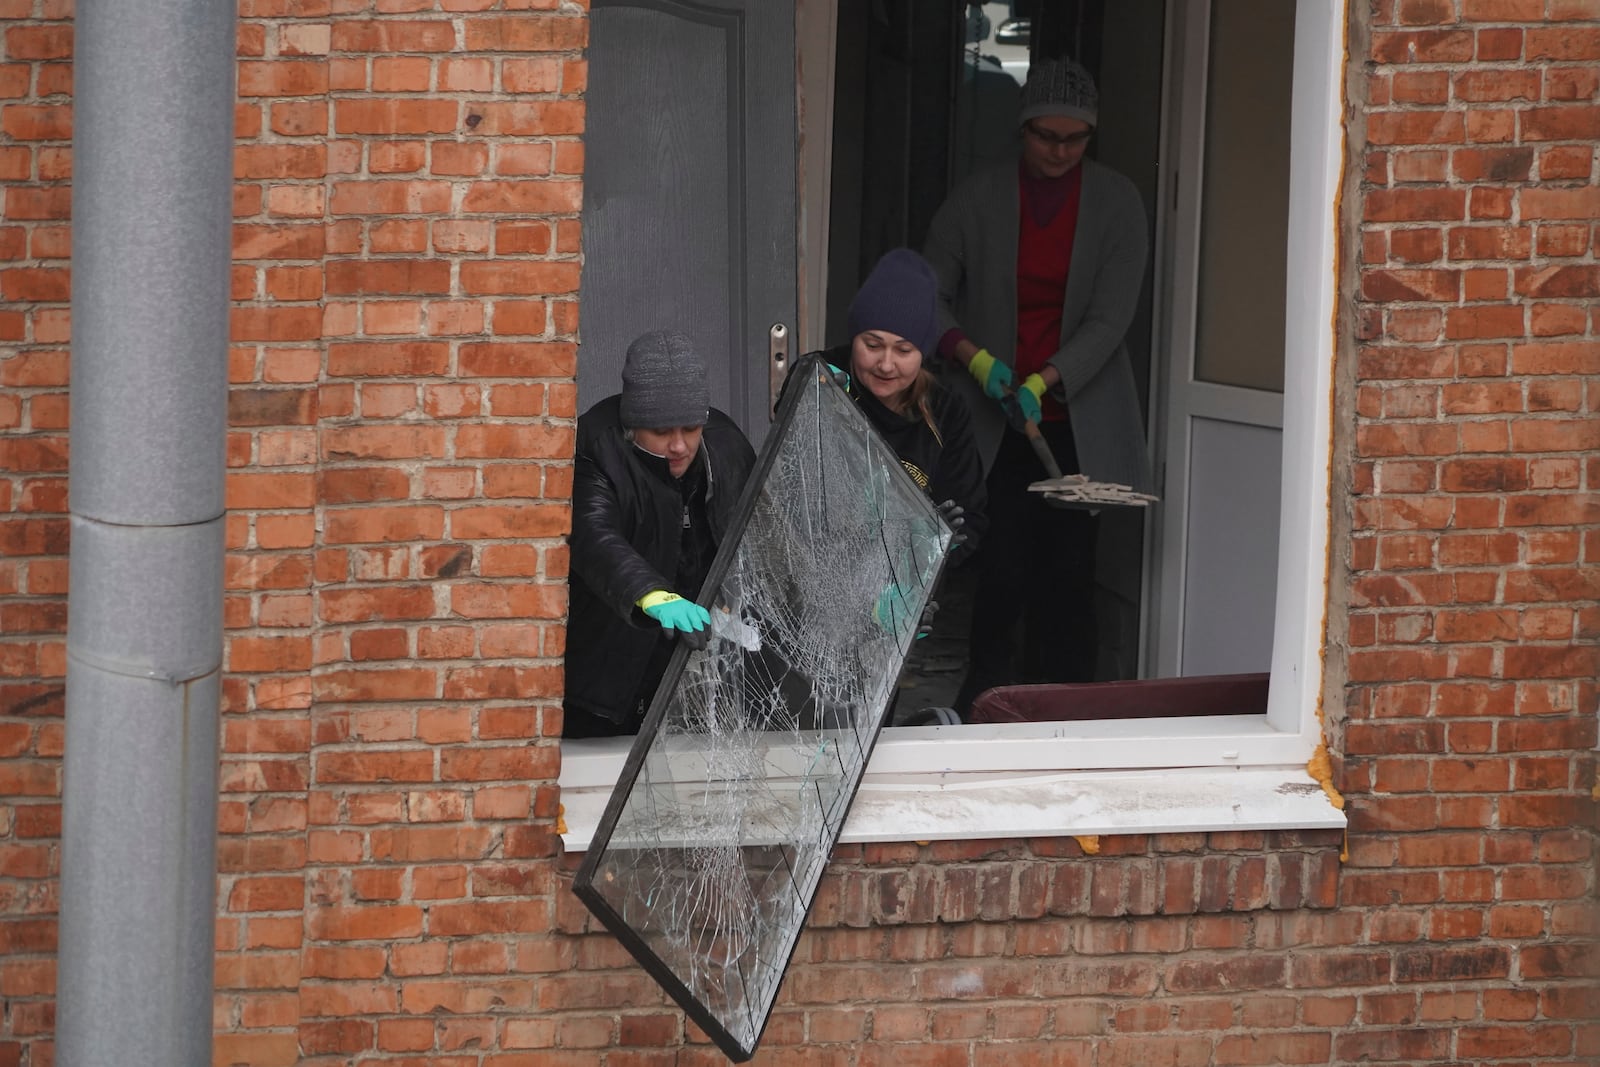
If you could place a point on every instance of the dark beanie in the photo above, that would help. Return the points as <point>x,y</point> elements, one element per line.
<point>900,296</point>
<point>664,383</point>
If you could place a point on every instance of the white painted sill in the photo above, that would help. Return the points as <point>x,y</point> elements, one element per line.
<point>1018,780</point>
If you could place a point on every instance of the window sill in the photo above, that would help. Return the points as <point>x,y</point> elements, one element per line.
<point>921,787</point>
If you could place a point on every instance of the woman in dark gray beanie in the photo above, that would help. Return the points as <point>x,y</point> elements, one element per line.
<point>658,473</point>
<point>894,327</point>
<point>1040,264</point>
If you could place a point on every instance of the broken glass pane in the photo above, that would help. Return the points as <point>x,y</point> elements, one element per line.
<point>735,791</point>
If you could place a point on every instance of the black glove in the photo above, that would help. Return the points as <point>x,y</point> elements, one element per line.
<point>954,516</point>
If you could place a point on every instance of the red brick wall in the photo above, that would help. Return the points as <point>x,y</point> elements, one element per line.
<point>406,264</point>
<point>405,276</point>
<point>35,161</point>
<point>1470,524</point>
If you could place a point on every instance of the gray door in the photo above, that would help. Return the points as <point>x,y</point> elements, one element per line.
<point>689,189</point>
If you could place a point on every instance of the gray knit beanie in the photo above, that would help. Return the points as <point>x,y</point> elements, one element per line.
<point>664,383</point>
<point>900,296</point>
<point>1060,87</point>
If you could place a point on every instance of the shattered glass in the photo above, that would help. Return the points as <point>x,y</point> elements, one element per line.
<point>735,791</point>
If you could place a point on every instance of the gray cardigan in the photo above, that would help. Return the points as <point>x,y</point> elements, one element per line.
<point>972,244</point>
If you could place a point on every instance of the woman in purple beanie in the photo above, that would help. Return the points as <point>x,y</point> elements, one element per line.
<point>894,326</point>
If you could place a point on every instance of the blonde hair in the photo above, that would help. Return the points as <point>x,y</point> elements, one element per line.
<point>918,397</point>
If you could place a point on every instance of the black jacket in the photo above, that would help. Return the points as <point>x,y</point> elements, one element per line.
<point>944,462</point>
<point>627,539</point>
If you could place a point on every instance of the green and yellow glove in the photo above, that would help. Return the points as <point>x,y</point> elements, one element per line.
<point>994,376</point>
<point>1030,396</point>
<point>688,619</point>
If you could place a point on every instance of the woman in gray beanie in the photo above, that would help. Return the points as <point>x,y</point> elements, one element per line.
<point>658,474</point>
<point>1040,265</point>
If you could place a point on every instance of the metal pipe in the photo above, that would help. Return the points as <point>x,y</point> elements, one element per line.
<point>151,226</point>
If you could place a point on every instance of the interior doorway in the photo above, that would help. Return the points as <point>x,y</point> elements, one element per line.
<point>926,94</point>
<point>1194,110</point>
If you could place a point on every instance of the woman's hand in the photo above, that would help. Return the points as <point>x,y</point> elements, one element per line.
<point>691,621</point>
<point>995,377</point>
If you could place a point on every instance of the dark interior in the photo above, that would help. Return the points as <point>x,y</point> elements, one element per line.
<point>905,76</point>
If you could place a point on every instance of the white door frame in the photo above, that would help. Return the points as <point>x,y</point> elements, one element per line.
<point>1177,398</point>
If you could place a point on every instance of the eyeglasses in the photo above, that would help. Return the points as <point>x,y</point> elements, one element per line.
<point>1057,140</point>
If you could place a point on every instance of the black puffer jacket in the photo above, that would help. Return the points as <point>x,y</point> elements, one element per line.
<point>944,462</point>
<point>627,539</point>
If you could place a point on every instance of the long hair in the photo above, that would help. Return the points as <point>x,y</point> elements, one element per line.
<point>918,397</point>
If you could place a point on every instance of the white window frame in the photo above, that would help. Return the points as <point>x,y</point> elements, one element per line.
<point>1159,774</point>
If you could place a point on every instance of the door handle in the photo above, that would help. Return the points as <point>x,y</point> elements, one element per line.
<point>777,362</point>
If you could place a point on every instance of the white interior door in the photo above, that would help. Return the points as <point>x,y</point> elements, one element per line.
<point>1219,403</point>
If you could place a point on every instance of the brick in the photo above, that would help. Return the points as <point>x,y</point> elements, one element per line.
<point>350,277</point>
<point>275,324</point>
<point>383,442</point>
<point>280,161</point>
<point>524,197</point>
<point>538,33</point>
<point>1415,127</point>
<point>396,157</point>
<point>1536,203</point>
<point>521,360</point>
<point>518,278</point>
<point>1411,285</point>
<point>401,74</point>
<point>1415,245</point>
<point>299,118</point>
<point>281,78</point>
<point>467,159</point>
<point>1491,202</point>
<point>1490,242</point>
<point>388,35</point>
<point>520,236</point>
<point>1415,205</point>
<point>36,123</point>
<point>1564,161</point>
<point>1559,282</point>
<point>1483,322</point>
<point>387,198</point>
<point>1566,123</point>
<point>380,923</point>
<point>542,75</point>
<point>39,42</point>
<point>35,284</point>
<point>1422,46</point>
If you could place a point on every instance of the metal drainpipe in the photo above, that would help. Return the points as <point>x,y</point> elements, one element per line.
<point>153,99</point>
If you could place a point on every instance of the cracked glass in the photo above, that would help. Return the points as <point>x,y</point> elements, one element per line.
<point>736,789</point>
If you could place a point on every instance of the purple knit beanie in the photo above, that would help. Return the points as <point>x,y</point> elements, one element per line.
<point>900,296</point>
